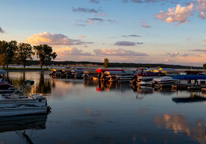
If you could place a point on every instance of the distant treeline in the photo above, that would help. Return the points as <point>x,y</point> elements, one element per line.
<point>126,65</point>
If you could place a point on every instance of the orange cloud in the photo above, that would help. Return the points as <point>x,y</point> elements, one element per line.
<point>178,14</point>
<point>71,51</point>
<point>81,36</point>
<point>51,39</point>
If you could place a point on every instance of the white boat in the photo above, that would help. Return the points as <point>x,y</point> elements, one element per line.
<point>17,104</point>
<point>125,75</point>
<point>164,80</point>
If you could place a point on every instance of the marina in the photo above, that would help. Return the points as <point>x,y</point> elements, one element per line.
<point>109,112</point>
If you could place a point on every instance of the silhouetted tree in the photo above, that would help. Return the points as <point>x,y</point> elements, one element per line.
<point>24,52</point>
<point>10,52</point>
<point>44,53</point>
<point>3,47</point>
<point>204,66</point>
<point>106,63</point>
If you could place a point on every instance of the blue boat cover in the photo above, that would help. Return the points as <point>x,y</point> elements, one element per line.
<point>189,77</point>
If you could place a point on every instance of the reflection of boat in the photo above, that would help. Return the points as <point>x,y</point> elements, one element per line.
<point>17,104</point>
<point>15,123</point>
<point>194,98</point>
<point>20,124</point>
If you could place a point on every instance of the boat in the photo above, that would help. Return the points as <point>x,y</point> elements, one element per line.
<point>91,75</point>
<point>164,80</point>
<point>125,76</point>
<point>17,104</point>
<point>143,72</point>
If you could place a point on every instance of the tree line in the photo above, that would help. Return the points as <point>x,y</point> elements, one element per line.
<point>11,52</point>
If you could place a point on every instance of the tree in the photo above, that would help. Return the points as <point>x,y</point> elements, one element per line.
<point>3,47</point>
<point>204,66</point>
<point>106,63</point>
<point>2,59</point>
<point>10,52</point>
<point>44,53</point>
<point>24,52</point>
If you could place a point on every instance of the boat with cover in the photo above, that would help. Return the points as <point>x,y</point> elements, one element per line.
<point>164,80</point>
<point>18,104</point>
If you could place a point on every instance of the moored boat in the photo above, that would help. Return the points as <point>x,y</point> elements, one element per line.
<point>17,104</point>
<point>164,80</point>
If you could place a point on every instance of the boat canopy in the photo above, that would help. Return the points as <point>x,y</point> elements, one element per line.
<point>29,82</point>
<point>189,77</point>
<point>2,71</point>
<point>103,70</point>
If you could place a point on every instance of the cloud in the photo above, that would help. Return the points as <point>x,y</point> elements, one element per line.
<point>53,39</point>
<point>85,10</point>
<point>205,39</point>
<point>1,30</point>
<point>96,19</point>
<point>166,60</point>
<point>112,21</point>
<point>81,36</point>
<point>182,14</point>
<point>202,15</point>
<point>178,14</point>
<point>117,52</point>
<point>125,43</point>
<point>139,43</point>
<point>189,39</point>
<point>94,1</point>
<point>172,54</point>
<point>72,51</point>
<point>102,14</point>
<point>199,50</point>
<point>186,55</point>
<point>146,26</point>
<point>131,35</point>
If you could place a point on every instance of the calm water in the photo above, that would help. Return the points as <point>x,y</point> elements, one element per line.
<point>89,112</point>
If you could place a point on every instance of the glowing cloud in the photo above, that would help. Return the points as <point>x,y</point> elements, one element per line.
<point>81,36</point>
<point>53,39</point>
<point>205,39</point>
<point>71,51</point>
<point>117,52</point>
<point>178,14</point>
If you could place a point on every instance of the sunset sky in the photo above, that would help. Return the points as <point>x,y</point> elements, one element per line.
<point>137,31</point>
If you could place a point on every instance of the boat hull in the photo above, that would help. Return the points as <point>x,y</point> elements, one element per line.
<point>22,111</point>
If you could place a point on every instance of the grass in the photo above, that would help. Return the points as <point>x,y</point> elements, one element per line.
<point>25,68</point>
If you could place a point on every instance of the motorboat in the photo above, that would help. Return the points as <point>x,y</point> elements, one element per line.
<point>141,72</point>
<point>125,76</point>
<point>164,80</point>
<point>91,75</point>
<point>144,81</point>
<point>18,104</point>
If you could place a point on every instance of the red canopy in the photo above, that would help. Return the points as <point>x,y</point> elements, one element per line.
<point>103,70</point>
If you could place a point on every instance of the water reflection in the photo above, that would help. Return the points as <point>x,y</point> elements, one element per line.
<point>115,86</point>
<point>23,126</point>
<point>179,124</point>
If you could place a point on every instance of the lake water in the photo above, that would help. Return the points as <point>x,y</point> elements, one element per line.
<point>104,113</point>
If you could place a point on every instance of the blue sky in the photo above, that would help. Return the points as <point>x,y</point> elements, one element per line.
<point>120,30</point>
